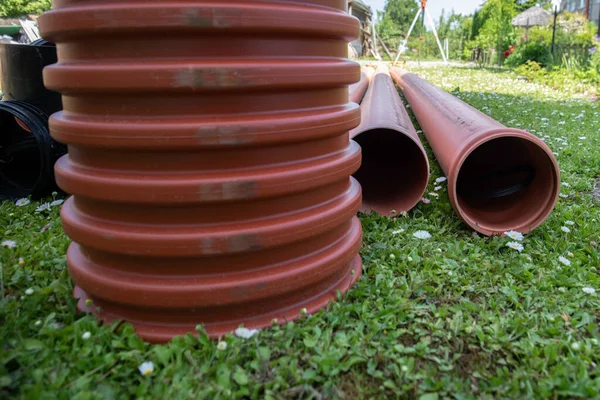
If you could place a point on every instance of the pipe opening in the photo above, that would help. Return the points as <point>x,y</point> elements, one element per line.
<point>394,171</point>
<point>508,183</point>
<point>20,162</point>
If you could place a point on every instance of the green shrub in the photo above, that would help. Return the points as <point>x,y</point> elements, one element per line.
<point>575,81</point>
<point>530,51</point>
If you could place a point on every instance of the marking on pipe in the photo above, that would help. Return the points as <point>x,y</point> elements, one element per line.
<point>211,78</point>
<point>238,243</point>
<point>228,191</point>
<point>224,135</point>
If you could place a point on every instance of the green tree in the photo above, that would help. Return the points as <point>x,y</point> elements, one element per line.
<point>522,6</point>
<point>496,30</point>
<point>395,20</point>
<point>18,8</point>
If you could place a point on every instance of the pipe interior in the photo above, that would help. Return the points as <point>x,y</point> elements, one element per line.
<point>19,167</point>
<point>506,183</point>
<point>394,171</point>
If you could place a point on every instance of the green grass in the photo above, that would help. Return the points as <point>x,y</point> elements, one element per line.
<point>456,316</point>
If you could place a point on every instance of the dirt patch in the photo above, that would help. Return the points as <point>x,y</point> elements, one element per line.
<point>596,191</point>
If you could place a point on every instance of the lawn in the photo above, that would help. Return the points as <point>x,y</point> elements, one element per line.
<point>455,316</point>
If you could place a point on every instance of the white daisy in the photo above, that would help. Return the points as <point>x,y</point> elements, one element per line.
<point>56,203</point>
<point>565,229</point>
<point>514,235</point>
<point>245,333</point>
<point>29,292</point>
<point>437,188</point>
<point>515,246</point>
<point>589,290</point>
<point>397,231</point>
<point>440,180</point>
<point>9,244</point>
<point>437,196</point>
<point>43,207</point>
<point>569,223</point>
<point>422,235</point>
<point>563,196</point>
<point>21,261</point>
<point>222,346</point>
<point>22,202</point>
<point>86,335</point>
<point>564,261</point>
<point>575,346</point>
<point>404,214</point>
<point>146,368</point>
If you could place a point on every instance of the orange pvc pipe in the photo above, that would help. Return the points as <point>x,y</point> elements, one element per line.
<point>357,90</point>
<point>499,178</point>
<point>395,170</point>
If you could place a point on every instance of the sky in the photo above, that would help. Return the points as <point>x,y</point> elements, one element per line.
<point>435,6</point>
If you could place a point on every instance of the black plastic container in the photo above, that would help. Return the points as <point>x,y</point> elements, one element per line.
<point>27,152</point>
<point>21,74</point>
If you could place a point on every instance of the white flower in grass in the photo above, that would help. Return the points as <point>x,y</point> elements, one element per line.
<point>422,235</point>
<point>404,214</point>
<point>588,290</point>
<point>437,188</point>
<point>29,292</point>
<point>563,196</point>
<point>569,223</point>
<point>515,246</point>
<point>433,194</point>
<point>514,235</point>
<point>222,346</point>
<point>22,202</point>
<point>43,207</point>
<point>565,229</point>
<point>245,333</point>
<point>397,231</point>
<point>566,184</point>
<point>146,368</point>
<point>38,323</point>
<point>56,203</point>
<point>564,261</point>
<point>440,180</point>
<point>86,335</point>
<point>9,244</point>
<point>21,261</point>
<point>575,346</point>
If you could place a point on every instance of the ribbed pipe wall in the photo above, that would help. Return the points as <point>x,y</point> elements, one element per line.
<point>209,159</point>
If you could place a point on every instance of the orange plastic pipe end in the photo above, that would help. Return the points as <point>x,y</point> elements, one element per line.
<point>395,170</point>
<point>499,178</point>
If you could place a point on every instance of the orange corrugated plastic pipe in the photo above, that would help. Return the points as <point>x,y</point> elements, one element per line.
<point>395,170</point>
<point>209,159</point>
<point>499,178</point>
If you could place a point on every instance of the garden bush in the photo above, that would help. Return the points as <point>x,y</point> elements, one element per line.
<point>530,52</point>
